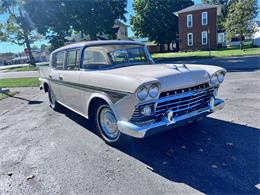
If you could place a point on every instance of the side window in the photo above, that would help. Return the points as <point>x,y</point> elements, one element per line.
<point>94,57</point>
<point>73,58</point>
<point>58,60</point>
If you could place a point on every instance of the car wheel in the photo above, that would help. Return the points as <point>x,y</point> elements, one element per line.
<point>106,124</point>
<point>52,99</point>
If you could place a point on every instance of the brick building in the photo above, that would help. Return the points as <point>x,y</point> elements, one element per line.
<point>198,27</point>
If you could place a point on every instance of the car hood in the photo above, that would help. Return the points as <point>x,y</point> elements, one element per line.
<point>170,76</point>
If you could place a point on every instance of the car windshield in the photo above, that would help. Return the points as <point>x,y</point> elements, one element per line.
<point>113,56</point>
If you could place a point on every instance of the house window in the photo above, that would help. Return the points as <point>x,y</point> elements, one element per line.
<point>190,39</point>
<point>204,18</point>
<point>189,20</point>
<point>221,38</point>
<point>204,38</point>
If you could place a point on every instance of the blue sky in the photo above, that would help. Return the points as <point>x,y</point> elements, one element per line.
<point>9,47</point>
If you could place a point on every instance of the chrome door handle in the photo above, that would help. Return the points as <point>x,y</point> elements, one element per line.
<point>61,77</point>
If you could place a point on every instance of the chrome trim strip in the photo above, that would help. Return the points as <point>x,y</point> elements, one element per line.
<point>114,95</point>
<point>72,109</point>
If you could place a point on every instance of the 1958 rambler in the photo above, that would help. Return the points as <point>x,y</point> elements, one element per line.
<point>118,86</point>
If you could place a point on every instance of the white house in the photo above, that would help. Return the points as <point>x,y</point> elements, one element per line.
<point>256,35</point>
<point>121,32</point>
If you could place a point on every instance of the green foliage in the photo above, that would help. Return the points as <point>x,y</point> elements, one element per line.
<point>17,24</point>
<point>18,28</point>
<point>156,19</point>
<point>56,20</point>
<point>224,11</point>
<point>240,17</point>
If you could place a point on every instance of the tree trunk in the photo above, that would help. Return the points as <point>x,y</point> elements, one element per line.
<point>241,42</point>
<point>26,37</point>
<point>168,47</point>
<point>28,46</point>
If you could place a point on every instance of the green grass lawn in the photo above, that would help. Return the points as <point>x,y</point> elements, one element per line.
<point>19,82</point>
<point>226,52</point>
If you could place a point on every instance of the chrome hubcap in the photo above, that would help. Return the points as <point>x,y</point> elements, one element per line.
<point>108,123</point>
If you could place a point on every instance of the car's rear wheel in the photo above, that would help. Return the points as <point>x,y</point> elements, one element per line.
<point>106,124</point>
<point>52,99</point>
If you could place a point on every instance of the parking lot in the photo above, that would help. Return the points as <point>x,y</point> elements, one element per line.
<point>47,152</point>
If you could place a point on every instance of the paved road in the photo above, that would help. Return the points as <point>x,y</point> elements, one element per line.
<point>25,74</point>
<point>47,152</point>
<point>231,64</point>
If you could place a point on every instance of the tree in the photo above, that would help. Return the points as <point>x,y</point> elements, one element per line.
<point>224,11</point>
<point>44,47</point>
<point>92,17</point>
<point>56,20</point>
<point>156,20</point>
<point>17,29</point>
<point>239,19</point>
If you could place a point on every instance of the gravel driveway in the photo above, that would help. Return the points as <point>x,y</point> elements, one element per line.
<point>47,152</point>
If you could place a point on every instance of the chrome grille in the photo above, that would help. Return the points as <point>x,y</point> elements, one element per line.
<point>180,101</point>
<point>184,102</point>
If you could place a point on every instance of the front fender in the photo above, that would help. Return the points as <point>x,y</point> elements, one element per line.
<point>101,96</point>
<point>211,69</point>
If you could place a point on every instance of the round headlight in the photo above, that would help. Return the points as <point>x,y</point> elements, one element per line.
<point>146,111</point>
<point>221,76</point>
<point>214,80</point>
<point>142,93</point>
<point>154,91</point>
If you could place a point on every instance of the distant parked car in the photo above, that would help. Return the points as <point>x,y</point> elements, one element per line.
<point>118,86</point>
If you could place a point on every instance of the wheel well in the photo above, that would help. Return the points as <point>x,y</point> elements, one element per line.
<point>46,87</point>
<point>92,105</point>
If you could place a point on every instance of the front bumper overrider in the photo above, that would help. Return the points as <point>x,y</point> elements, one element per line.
<point>141,131</point>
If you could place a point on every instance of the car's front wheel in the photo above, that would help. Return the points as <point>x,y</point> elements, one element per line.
<point>106,124</point>
<point>52,99</point>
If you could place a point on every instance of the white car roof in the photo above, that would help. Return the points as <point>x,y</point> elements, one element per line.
<point>99,42</point>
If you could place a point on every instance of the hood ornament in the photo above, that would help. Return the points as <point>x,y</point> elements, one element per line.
<point>177,67</point>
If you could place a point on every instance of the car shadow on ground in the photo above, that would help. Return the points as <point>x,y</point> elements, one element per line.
<point>212,156</point>
<point>24,99</point>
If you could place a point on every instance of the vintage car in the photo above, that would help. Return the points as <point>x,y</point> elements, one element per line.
<point>117,85</point>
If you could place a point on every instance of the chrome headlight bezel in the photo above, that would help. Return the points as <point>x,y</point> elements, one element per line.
<point>221,76</point>
<point>154,90</point>
<point>217,78</point>
<point>144,90</point>
<point>214,80</point>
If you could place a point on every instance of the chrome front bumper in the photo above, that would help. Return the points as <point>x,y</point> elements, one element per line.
<point>140,131</point>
